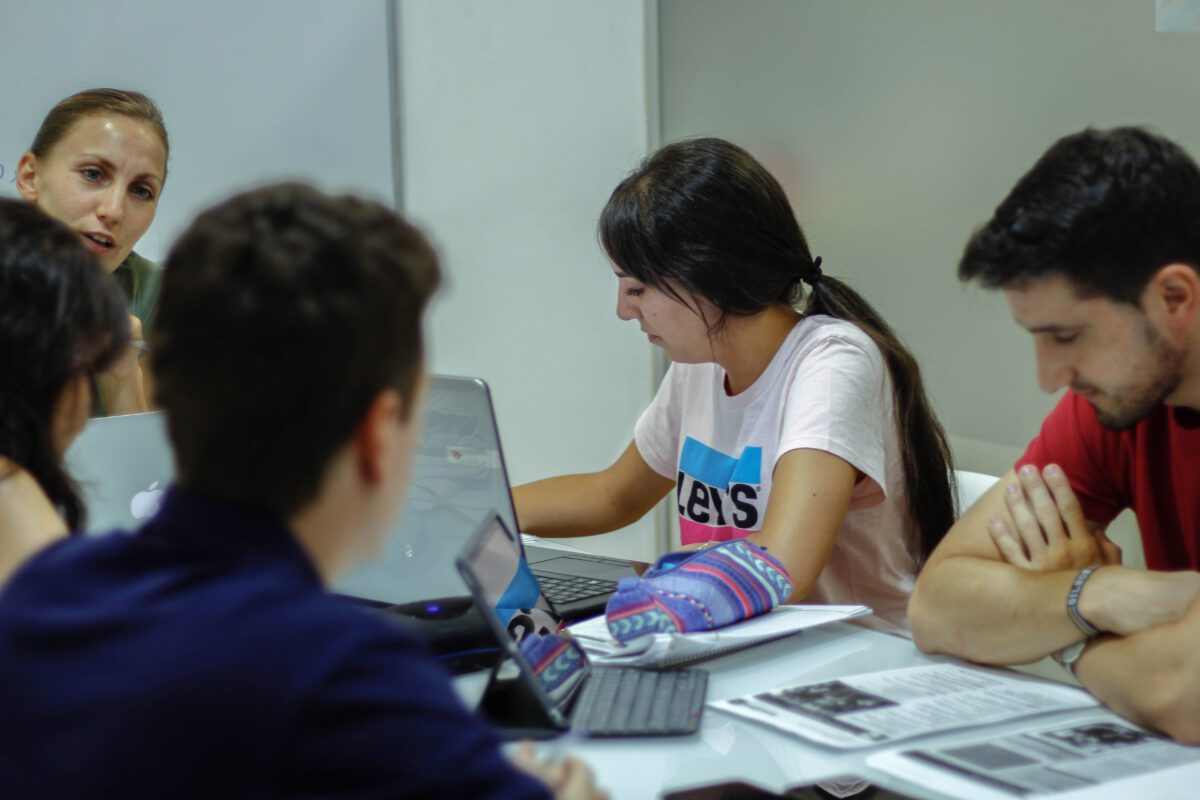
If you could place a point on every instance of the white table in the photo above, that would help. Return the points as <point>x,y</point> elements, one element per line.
<point>729,749</point>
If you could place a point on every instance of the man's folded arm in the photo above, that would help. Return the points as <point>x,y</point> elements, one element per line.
<point>1151,677</point>
<point>969,602</point>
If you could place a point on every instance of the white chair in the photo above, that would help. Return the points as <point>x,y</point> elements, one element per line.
<point>971,486</point>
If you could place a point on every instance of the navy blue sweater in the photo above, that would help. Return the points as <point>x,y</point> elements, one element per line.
<point>200,657</point>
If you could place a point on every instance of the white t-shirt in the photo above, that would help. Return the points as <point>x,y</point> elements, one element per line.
<point>828,389</point>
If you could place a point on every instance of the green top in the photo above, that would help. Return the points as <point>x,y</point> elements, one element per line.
<point>140,279</point>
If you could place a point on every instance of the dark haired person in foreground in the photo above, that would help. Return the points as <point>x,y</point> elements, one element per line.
<point>1097,251</point>
<point>61,322</point>
<point>201,656</point>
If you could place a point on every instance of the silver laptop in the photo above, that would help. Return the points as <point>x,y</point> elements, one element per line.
<point>459,479</point>
<point>457,475</point>
<point>122,465</point>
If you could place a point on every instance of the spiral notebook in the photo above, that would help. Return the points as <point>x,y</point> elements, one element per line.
<point>669,650</point>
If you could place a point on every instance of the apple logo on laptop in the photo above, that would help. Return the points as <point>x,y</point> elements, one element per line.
<point>144,504</point>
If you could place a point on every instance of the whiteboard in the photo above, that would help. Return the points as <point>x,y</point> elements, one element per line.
<point>251,91</point>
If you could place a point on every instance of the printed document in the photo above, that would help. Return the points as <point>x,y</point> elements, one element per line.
<point>1095,756</point>
<point>893,705</point>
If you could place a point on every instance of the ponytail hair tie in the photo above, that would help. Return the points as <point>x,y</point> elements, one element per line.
<point>814,274</point>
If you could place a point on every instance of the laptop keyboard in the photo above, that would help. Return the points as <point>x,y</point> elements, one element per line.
<point>568,588</point>
<point>639,702</point>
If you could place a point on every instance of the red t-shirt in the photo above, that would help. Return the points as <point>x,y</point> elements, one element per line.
<point>1153,468</point>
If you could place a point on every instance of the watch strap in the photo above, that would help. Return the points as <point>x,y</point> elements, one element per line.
<point>1085,627</point>
<point>1070,654</point>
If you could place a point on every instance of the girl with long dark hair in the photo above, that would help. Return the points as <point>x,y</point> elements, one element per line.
<point>61,321</point>
<point>792,413</point>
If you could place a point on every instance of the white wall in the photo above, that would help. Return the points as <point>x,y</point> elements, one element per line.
<point>251,92</point>
<point>518,120</point>
<point>515,120</point>
<point>898,126</point>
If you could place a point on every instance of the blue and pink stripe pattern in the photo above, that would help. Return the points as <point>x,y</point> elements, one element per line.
<point>556,660</point>
<point>687,592</point>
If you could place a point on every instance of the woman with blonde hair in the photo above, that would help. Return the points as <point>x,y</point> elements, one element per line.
<point>98,164</point>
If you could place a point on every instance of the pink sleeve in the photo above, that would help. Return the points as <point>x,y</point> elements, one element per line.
<point>656,434</point>
<point>839,402</point>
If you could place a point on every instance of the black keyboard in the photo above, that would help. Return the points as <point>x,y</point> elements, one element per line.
<point>568,588</point>
<point>639,702</point>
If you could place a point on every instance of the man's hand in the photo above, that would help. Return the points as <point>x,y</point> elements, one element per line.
<point>569,779</point>
<point>1047,530</point>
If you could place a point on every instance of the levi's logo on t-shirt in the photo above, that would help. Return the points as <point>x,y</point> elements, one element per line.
<point>717,493</point>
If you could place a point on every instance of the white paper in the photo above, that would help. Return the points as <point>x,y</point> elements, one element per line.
<point>894,705</point>
<point>1097,756</point>
<point>665,648</point>
<point>550,544</point>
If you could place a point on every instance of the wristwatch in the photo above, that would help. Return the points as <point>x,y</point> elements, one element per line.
<point>1085,626</point>
<point>1067,657</point>
<point>1071,653</point>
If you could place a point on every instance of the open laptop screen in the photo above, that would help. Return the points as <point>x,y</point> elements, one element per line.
<point>458,480</point>
<point>505,584</point>
<point>513,605</point>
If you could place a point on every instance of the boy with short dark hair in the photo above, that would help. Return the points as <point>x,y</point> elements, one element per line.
<point>201,656</point>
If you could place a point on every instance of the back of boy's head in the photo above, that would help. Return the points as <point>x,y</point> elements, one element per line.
<point>1105,208</point>
<point>284,313</point>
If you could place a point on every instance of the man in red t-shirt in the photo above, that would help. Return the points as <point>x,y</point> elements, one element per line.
<point>1097,250</point>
